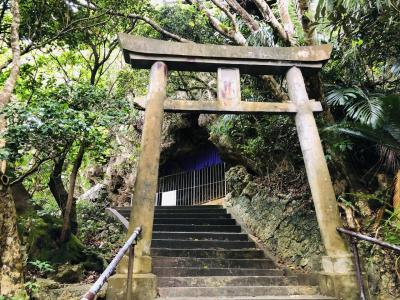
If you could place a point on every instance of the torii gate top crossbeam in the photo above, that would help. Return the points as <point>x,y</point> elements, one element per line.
<point>143,52</point>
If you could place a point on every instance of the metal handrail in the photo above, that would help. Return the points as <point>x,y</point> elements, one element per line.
<point>91,294</point>
<point>355,236</point>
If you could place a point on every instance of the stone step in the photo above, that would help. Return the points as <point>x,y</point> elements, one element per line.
<point>159,261</point>
<point>208,253</point>
<point>220,281</point>
<point>190,210</point>
<point>193,272</point>
<point>185,244</point>
<point>200,236</point>
<point>206,209</point>
<point>194,221</point>
<point>196,228</point>
<point>183,207</point>
<point>237,291</point>
<point>179,214</point>
<point>198,215</point>
<point>198,207</point>
<point>289,297</point>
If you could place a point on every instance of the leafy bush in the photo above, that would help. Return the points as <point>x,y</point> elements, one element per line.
<point>42,267</point>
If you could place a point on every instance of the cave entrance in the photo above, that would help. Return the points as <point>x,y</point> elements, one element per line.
<point>229,62</point>
<point>192,179</point>
<point>194,187</point>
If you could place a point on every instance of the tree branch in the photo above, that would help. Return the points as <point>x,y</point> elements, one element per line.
<point>270,18</point>
<point>275,87</point>
<point>31,46</point>
<point>305,15</point>
<point>32,170</point>
<point>137,17</point>
<point>234,35</point>
<point>250,22</point>
<point>283,6</point>
<point>226,11</point>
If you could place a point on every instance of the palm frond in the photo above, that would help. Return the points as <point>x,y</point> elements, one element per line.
<point>341,96</point>
<point>367,109</point>
<point>377,136</point>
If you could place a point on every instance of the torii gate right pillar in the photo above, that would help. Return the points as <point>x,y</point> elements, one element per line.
<point>337,278</point>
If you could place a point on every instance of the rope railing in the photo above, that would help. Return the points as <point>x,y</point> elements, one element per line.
<point>354,237</point>
<point>91,294</point>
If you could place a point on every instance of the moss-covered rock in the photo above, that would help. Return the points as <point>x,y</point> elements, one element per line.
<point>69,273</point>
<point>41,239</point>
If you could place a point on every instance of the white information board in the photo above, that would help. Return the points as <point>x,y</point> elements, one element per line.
<point>169,198</point>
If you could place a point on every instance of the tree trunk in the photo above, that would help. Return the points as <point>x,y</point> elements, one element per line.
<point>60,194</point>
<point>11,272</point>
<point>65,232</point>
<point>21,198</point>
<point>11,266</point>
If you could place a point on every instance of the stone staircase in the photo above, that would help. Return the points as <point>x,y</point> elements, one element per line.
<point>199,252</point>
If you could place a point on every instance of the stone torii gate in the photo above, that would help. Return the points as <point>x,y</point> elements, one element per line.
<point>337,277</point>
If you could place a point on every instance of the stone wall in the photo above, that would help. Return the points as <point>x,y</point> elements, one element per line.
<point>284,223</point>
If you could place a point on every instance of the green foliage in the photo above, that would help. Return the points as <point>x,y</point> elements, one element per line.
<point>366,48</point>
<point>187,22</point>
<point>263,139</point>
<point>58,118</point>
<point>50,22</point>
<point>99,231</point>
<point>387,228</point>
<point>42,267</point>
<point>383,129</point>
<point>32,287</point>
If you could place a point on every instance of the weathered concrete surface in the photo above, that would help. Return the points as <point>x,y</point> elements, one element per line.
<point>219,107</point>
<point>144,287</point>
<point>143,199</point>
<point>338,285</point>
<point>317,170</point>
<point>338,263</point>
<point>143,52</point>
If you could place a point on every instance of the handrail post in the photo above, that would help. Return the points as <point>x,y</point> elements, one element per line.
<point>353,240</point>
<point>130,270</point>
<point>354,248</point>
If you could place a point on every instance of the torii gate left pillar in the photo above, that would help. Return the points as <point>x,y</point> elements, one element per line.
<point>337,278</point>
